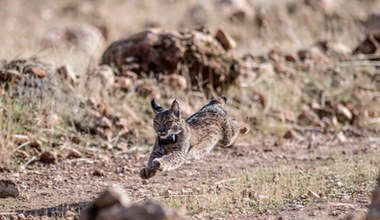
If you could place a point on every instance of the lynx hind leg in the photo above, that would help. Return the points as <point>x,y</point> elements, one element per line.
<point>231,131</point>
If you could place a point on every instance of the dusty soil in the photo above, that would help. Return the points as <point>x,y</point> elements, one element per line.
<point>70,185</point>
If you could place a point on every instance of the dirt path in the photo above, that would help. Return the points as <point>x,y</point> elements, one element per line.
<point>71,184</point>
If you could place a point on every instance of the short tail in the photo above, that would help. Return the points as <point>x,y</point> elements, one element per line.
<point>244,128</point>
<point>222,100</point>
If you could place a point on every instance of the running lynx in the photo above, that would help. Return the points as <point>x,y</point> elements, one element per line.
<point>179,139</point>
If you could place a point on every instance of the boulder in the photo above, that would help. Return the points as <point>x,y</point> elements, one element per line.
<point>157,51</point>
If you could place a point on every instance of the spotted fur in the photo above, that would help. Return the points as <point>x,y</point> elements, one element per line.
<point>179,139</point>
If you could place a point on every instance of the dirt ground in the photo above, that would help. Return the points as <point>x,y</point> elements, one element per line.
<point>70,185</point>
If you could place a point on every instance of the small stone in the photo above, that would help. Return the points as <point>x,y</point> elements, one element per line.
<point>292,134</point>
<point>99,172</point>
<point>104,123</point>
<point>48,157</point>
<point>21,217</point>
<point>73,153</point>
<point>29,217</point>
<point>341,137</point>
<point>8,189</point>
<point>38,72</point>
<point>174,82</point>
<point>313,194</point>
<point>66,73</point>
<point>69,214</point>
<point>35,144</point>
<point>9,75</point>
<point>123,83</point>
<point>244,128</point>
<point>225,40</point>
<point>344,112</point>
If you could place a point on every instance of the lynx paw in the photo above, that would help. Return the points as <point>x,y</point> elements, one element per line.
<point>145,173</point>
<point>157,165</point>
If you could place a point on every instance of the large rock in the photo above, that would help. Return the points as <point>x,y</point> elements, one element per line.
<point>112,204</point>
<point>374,208</point>
<point>157,51</point>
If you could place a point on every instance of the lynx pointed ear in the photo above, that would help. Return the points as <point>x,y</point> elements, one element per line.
<point>224,98</point>
<point>175,109</point>
<point>156,107</point>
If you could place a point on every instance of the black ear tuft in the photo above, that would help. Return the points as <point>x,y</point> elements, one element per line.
<point>156,107</point>
<point>224,99</point>
<point>175,109</point>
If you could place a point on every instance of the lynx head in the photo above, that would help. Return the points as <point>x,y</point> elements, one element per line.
<point>167,122</point>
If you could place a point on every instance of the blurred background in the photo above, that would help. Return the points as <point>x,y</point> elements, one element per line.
<point>291,69</point>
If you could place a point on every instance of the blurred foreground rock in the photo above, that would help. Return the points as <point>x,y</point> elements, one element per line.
<point>8,189</point>
<point>113,204</point>
<point>374,208</point>
<point>156,51</point>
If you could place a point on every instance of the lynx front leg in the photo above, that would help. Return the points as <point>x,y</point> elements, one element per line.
<point>146,173</point>
<point>170,162</point>
<point>151,169</point>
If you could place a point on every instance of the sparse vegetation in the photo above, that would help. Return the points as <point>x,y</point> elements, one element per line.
<point>258,190</point>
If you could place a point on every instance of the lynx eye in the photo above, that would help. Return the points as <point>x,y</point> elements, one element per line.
<point>168,123</point>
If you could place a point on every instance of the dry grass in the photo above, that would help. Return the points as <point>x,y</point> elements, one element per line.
<point>340,178</point>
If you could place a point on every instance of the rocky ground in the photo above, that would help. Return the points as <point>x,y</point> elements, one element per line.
<point>224,184</point>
